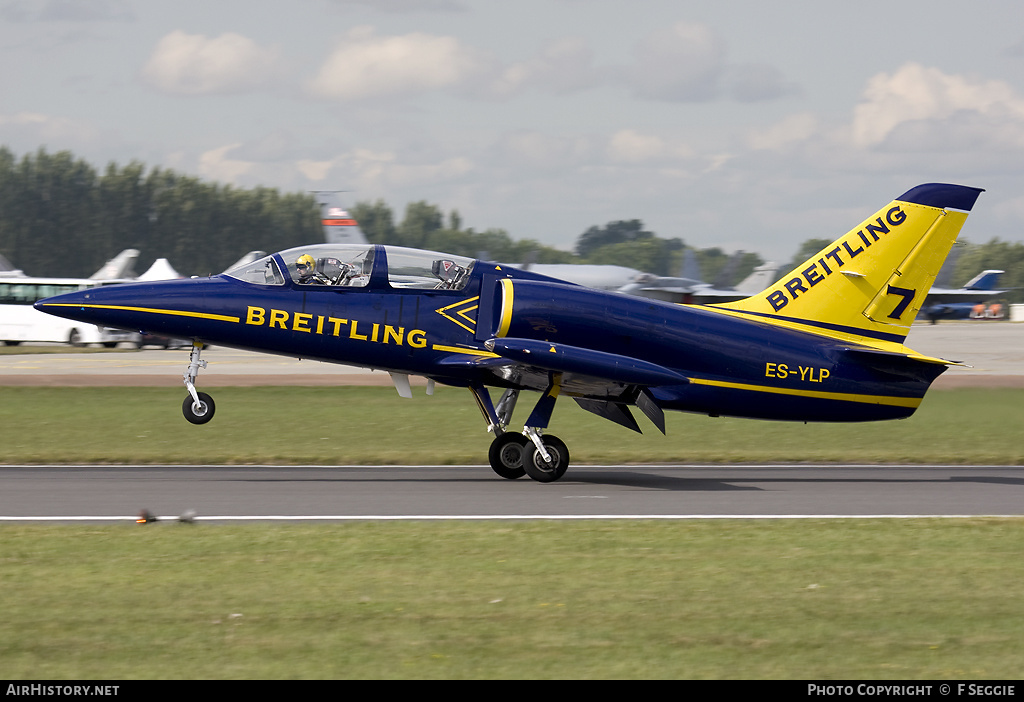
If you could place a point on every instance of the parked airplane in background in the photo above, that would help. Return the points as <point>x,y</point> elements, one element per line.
<point>120,267</point>
<point>597,276</point>
<point>689,291</point>
<point>962,303</point>
<point>7,269</point>
<point>824,343</point>
<point>339,226</point>
<point>685,288</point>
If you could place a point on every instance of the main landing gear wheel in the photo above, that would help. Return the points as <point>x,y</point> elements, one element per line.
<point>506,455</point>
<point>201,412</point>
<point>546,471</point>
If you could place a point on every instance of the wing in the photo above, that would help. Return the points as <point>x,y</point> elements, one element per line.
<point>602,383</point>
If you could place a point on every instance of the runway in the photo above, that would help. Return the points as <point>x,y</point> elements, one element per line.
<point>994,350</point>
<point>271,493</point>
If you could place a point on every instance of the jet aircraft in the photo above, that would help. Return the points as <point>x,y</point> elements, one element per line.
<point>688,291</point>
<point>959,303</point>
<point>339,226</point>
<point>120,267</point>
<point>824,343</point>
<point>7,269</point>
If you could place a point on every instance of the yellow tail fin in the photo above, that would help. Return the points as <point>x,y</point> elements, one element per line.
<point>872,281</point>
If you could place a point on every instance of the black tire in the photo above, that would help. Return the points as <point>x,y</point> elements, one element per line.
<point>203,413</point>
<point>539,469</point>
<point>506,455</point>
<point>75,338</point>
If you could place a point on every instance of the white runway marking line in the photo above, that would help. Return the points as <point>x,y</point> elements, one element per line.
<point>489,517</point>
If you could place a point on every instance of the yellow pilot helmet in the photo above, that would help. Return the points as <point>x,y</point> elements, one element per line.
<point>305,261</point>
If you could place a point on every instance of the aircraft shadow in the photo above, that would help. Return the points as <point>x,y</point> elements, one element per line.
<point>650,481</point>
<point>625,478</point>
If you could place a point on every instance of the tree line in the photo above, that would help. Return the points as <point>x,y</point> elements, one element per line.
<point>60,216</point>
<point>620,243</point>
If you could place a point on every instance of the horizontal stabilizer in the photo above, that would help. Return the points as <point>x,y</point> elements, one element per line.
<point>562,358</point>
<point>908,363</point>
<point>911,355</point>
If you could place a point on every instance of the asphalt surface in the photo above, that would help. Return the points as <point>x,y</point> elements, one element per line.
<point>425,492</point>
<point>994,350</point>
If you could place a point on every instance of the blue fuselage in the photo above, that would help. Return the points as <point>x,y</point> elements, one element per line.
<point>727,365</point>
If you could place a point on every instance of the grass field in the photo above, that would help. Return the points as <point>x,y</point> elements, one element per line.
<point>801,599</point>
<point>367,425</point>
<point>820,600</point>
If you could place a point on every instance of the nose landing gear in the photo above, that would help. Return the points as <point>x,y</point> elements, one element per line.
<point>198,407</point>
<point>199,410</point>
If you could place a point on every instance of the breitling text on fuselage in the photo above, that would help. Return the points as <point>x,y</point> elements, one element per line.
<point>354,329</point>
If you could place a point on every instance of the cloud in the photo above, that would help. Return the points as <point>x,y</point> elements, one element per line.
<point>759,83</point>
<point>794,129</point>
<point>215,165</point>
<point>193,64</point>
<point>67,11</point>
<point>398,6</point>
<point>684,62</point>
<point>364,170</point>
<point>36,128</point>
<point>630,146</point>
<point>367,66</point>
<point>918,103</point>
<point>563,66</point>
<point>537,151</point>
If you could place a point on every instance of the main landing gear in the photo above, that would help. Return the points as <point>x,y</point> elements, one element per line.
<point>198,407</point>
<point>512,455</point>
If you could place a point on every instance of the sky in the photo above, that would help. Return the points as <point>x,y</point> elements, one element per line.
<point>740,124</point>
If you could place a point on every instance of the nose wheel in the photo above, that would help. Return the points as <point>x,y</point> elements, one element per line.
<point>198,407</point>
<point>200,410</point>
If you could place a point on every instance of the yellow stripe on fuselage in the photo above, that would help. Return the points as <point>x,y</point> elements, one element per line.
<point>469,352</point>
<point>816,394</point>
<point>845,337</point>
<point>796,325</point>
<point>152,310</point>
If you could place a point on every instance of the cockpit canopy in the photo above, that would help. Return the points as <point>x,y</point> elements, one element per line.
<point>351,265</point>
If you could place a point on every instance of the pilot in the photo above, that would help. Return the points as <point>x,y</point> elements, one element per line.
<point>306,267</point>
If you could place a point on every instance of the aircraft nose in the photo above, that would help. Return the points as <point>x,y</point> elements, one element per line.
<point>183,308</point>
<point>48,303</point>
<point>70,305</point>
